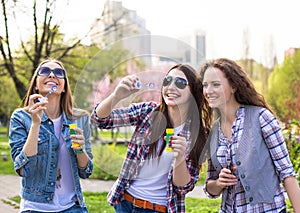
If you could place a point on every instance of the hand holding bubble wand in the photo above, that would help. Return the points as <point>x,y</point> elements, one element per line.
<point>53,89</point>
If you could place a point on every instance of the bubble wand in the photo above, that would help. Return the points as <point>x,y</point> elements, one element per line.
<point>138,85</point>
<point>53,89</point>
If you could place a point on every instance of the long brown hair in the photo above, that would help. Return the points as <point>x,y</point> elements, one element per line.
<point>66,100</point>
<point>245,90</point>
<point>199,126</point>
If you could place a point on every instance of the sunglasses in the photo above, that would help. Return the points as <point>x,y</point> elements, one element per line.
<point>179,82</point>
<point>45,71</point>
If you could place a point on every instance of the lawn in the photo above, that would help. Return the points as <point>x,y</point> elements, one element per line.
<point>97,203</point>
<point>107,161</point>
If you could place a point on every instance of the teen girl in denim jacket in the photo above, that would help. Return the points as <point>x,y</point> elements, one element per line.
<point>41,149</point>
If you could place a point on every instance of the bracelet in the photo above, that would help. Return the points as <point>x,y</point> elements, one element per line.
<point>78,151</point>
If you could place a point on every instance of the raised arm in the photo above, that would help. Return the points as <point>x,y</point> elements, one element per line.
<point>125,88</point>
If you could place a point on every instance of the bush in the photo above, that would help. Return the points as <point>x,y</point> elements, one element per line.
<point>292,138</point>
<point>108,160</point>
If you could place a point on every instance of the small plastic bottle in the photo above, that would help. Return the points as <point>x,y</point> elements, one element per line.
<point>73,132</point>
<point>169,133</point>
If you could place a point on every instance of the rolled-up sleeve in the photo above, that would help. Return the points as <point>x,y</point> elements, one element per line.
<point>17,139</point>
<point>194,173</point>
<point>87,171</point>
<point>212,174</point>
<point>275,142</point>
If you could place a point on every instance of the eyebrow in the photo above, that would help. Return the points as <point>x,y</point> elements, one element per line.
<point>212,81</point>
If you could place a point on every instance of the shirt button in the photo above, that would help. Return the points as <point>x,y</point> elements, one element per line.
<point>247,188</point>
<point>52,184</point>
<point>251,199</point>
<point>48,198</point>
<point>54,166</point>
<point>243,176</point>
<point>238,163</point>
<point>49,122</point>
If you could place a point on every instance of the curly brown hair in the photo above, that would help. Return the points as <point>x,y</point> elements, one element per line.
<point>245,90</point>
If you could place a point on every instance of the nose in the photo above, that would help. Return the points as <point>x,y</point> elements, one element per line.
<point>172,84</point>
<point>51,75</point>
<point>207,89</point>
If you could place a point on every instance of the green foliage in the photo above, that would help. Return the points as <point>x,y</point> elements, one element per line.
<point>282,83</point>
<point>292,138</point>
<point>9,99</point>
<point>108,160</point>
<point>98,64</point>
<point>6,166</point>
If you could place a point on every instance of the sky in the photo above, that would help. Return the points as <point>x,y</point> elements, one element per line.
<point>223,22</point>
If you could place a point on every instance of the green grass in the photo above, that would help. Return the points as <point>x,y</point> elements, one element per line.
<point>97,203</point>
<point>107,163</point>
<point>6,166</point>
<point>3,130</point>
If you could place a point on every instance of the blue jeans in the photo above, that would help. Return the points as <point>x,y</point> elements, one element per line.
<point>127,207</point>
<point>73,209</point>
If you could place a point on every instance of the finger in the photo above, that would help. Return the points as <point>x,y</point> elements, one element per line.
<point>78,130</point>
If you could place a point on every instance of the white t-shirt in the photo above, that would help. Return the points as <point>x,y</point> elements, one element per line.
<point>65,190</point>
<point>151,183</point>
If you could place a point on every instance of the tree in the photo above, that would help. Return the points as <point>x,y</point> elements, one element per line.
<point>43,43</point>
<point>284,87</point>
<point>247,63</point>
<point>270,62</point>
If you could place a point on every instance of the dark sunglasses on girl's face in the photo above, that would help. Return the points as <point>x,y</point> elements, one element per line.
<point>45,71</point>
<point>179,82</point>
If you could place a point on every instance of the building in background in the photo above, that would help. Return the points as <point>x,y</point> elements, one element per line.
<point>190,49</point>
<point>119,25</point>
<point>291,51</point>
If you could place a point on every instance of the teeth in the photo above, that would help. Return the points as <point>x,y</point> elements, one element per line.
<point>51,82</point>
<point>212,99</point>
<point>172,95</point>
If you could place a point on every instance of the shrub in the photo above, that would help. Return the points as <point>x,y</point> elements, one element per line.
<point>292,138</point>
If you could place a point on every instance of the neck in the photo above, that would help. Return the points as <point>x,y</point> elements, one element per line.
<point>230,113</point>
<point>53,110</point>
<point>177,117</point>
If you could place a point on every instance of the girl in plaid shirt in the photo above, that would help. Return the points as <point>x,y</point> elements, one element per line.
<point>248,154</point>
<point>151,179</point>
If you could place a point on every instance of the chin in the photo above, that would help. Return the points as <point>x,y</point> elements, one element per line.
<point>212,105</point>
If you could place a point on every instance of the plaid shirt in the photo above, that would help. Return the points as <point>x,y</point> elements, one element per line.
<point>139,115</point>
<point>272,134</point>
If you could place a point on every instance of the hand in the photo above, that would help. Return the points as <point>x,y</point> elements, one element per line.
<point>178,144</point>
<point>126,86</point>
<point>78,139</point>
<point>35,109</point>
<point>227,178</point>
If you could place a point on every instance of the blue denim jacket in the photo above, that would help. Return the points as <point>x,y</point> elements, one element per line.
<point>39,172</point>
